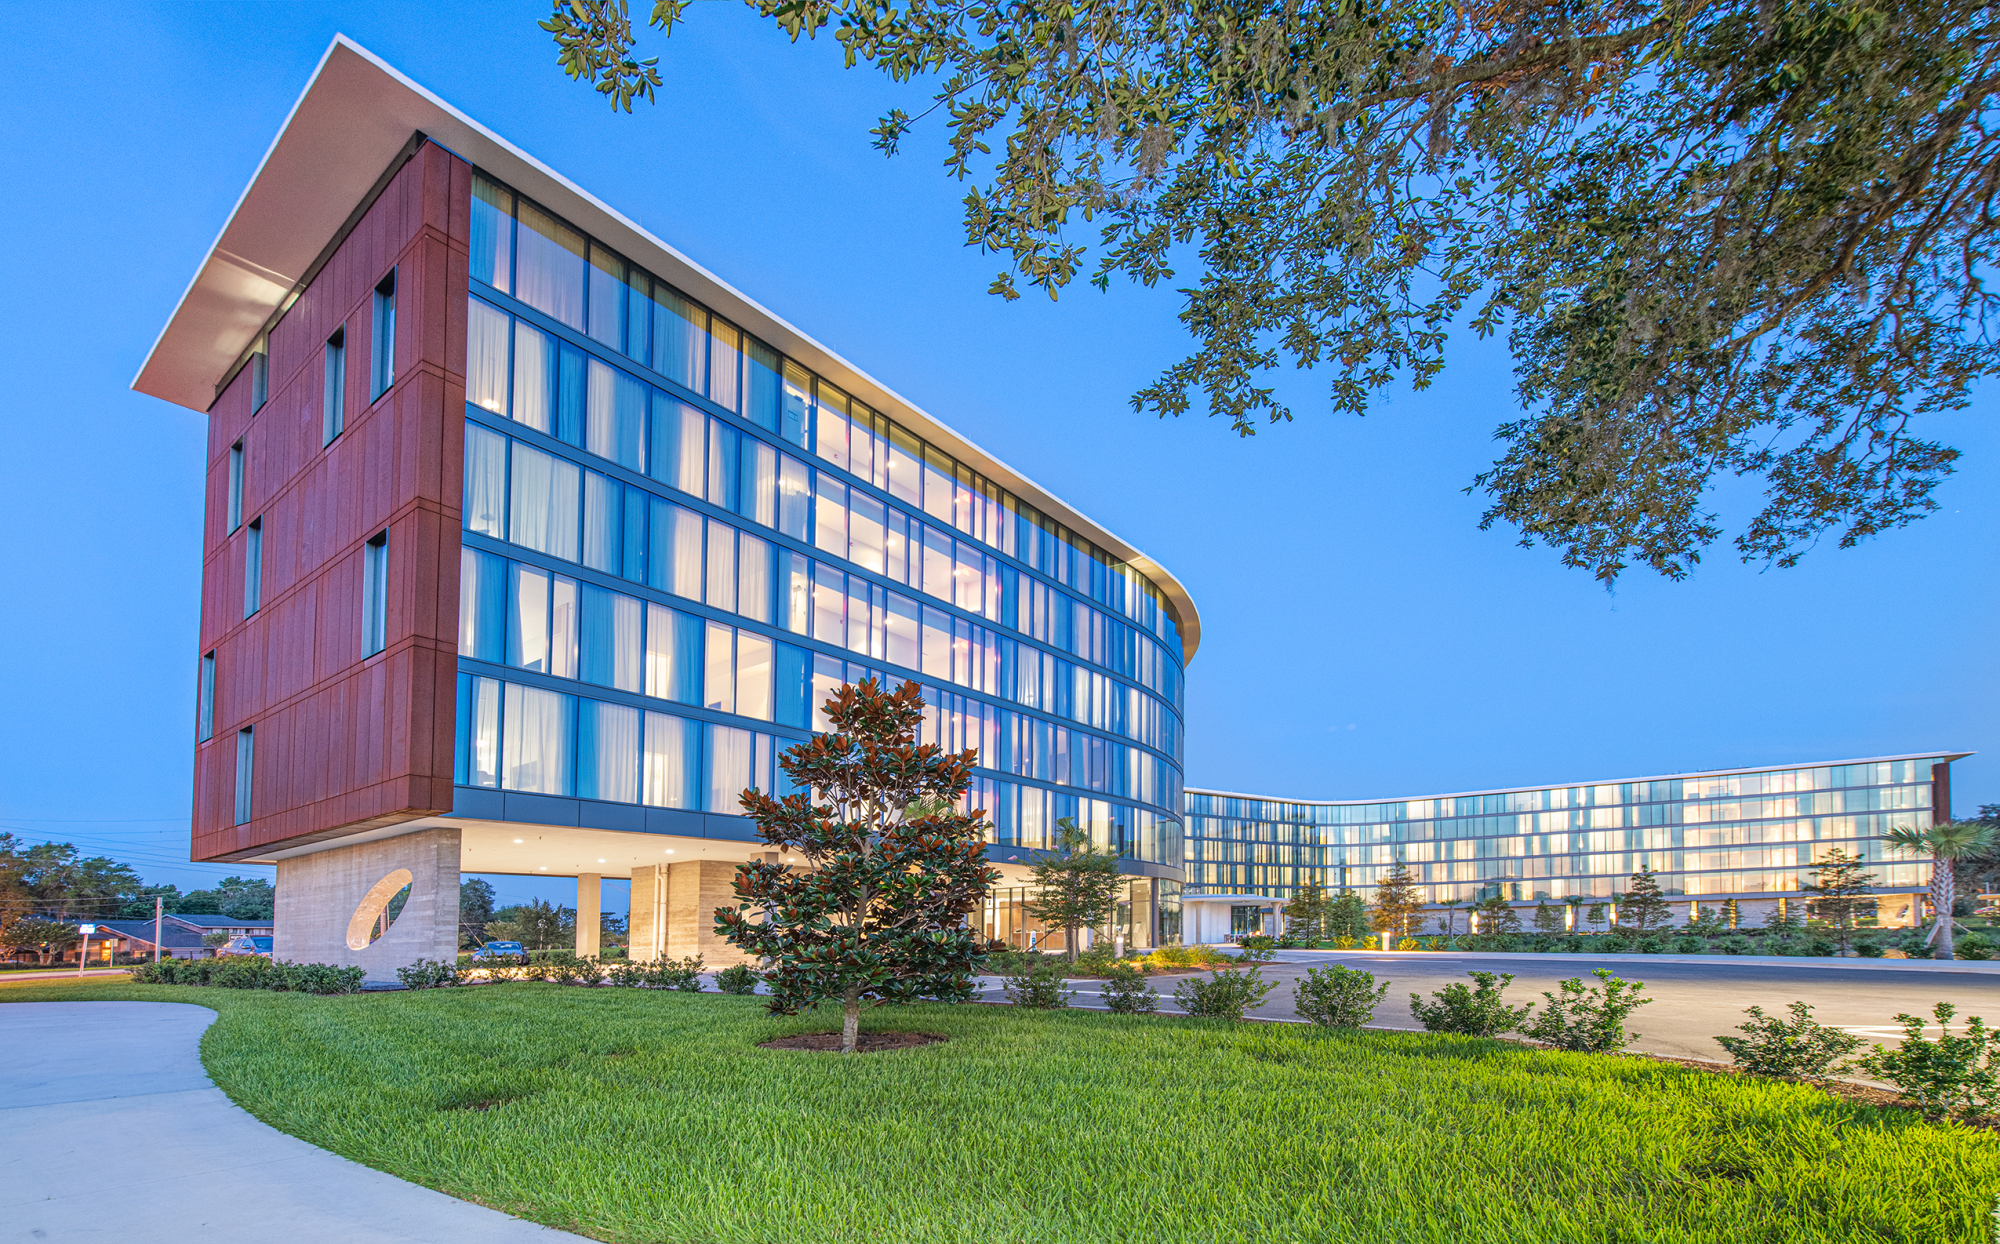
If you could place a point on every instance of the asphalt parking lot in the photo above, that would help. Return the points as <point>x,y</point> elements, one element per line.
<point>1693,1003</point>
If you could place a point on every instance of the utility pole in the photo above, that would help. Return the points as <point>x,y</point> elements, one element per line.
<point>159,913</point>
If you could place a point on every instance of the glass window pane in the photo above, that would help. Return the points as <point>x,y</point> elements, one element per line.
<point>937,563</point>
<point>603,518</point>
<point>794,496</point>
<point>615,427</point>
<point>791,687</point>
<point>725,364</point>
<point>718,684</point>
<point>482,733</point>
<point>905,633</point>
<point>544,503</point>
<point>486,357</point>
<point>830,425</point>
<point>864,533</point>
<point>829,605</point>
<point>680,339</point>
<point>721,591</point>
<point>729,751</point>
<point>792,420</point>
<point>753,676</point>
<point>569,394</point>
<point>672,761</point>
<point>937,642</point>
<point>723,443</point>
<point>562,627</point>
<point>830,515</point>
<point>548,266</point>
<point>679,444</point>
<point>607,752</point>
<point>970,581</point>
<point>485,481</point>
<point>896,545</point>
<point>938,492</point>
<point>528,618</point>
<point>795,591</point>
<point>535,755</point>
<point>757,500</point>
<point>492,246</point>
<point>675,556</point>
<point>906,479</point>
<point>673,655</point>
<point>755,560</point>
<point>859,616</point>
<point>607,297</point>
<point>534,377</point>
<point>482,605</point>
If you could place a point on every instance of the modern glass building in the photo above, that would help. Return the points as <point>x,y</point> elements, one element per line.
<point>1747,834</point>
<point>531,544</point>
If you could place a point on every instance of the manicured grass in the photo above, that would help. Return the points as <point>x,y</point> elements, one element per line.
<point>651,1116</point>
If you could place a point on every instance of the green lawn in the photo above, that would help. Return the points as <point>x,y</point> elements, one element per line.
<point>649,1116</point>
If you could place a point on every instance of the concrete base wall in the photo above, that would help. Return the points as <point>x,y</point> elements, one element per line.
<point>673,912</point>
<point>319,896</point>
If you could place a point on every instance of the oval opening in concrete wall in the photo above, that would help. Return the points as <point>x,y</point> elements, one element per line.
<point>373,917</point>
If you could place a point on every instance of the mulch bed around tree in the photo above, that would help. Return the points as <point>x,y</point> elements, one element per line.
<point>869,1043</point>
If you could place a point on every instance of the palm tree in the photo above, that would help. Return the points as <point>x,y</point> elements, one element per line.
<point>1946,843</point>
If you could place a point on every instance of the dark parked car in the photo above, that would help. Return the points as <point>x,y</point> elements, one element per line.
<point>496,950</point>
<point>245,946</point>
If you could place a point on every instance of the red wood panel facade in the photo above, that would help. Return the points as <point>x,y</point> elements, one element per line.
<point>343,743</point>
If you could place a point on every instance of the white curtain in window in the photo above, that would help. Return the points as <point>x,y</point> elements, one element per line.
<point>534,377</point>
<point>718,683</point>
<point>721,567</point>
<point>548,266</point>
<point>729,753</point>
<point>670,761</point>
<point>753,676</point>
<point>483,732</point>
<point>528,625</point>
<point>545,502</point>
<point>485,480</point>
<point>486,357</point>
<point>753,577</point>
<point>609,763</point>
<point>536,754</point>
<point>601,516</point>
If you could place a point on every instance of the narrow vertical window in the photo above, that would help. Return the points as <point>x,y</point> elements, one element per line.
<point>334,403</point>
<point>375,595</point>
<point>383,357</point>
<point>236,485</point>
<point>246,751</point>
<point>204,713</point>
<point>260,377</point>
<point>253,568</point>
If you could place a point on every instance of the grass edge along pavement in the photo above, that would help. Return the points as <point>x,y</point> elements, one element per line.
<point>643,1115</point>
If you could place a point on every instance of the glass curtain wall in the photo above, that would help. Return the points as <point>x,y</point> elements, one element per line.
<point>672,530</point>
<point>1723,834</point>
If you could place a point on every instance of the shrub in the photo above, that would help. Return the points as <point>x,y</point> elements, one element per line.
<point>1224,995</point>
<point>240,972</point>
<point>1690,945</point>
<point>1258,949</point>
<point>1474,1012</point>
<point>1126,991</point>
<point>428,974</point>
<point>1337,997</point>
<point>1868,948</point>
<point>1737,944</point>
<point>737,978</point>
<point>1973,946</point>
<point>628,974</point>
<point>1586,1017</point>
<point>1655,944</point>
<point>563,967</point>
<point>319,978</point>
<point>681,974</point>
<point>1802,1049</point>
<point>1945,1077</point>
<point>1040,988</point>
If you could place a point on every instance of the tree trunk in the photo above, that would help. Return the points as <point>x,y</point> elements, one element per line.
<point>1072,933</point>
<point>850,1020</point>
<point>1944,896</point>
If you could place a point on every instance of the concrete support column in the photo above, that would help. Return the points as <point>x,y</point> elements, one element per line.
<point>644,924</point>
<point>692,893</point>
<point>329,903</point>
<point>589,913</point>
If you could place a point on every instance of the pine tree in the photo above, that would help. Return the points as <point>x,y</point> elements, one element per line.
<point>1347,918</point>
<point>1305,915</point>
<point>1837,890</point>
<point>1595,914</point>
<point>1644,906</point>
<point>880,913</point>
<point>1397,903</point>
<point>1548,920</point>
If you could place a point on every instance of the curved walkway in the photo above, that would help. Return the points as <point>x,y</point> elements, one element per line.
<point>111,1131</point>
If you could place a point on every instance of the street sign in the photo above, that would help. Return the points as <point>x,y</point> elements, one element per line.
<point>86,929</point>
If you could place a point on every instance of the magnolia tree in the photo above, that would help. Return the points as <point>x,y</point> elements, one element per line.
<point>893,869</point>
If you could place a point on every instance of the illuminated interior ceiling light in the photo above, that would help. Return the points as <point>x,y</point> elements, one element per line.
<point>600,861</point>
<point>517,840</point>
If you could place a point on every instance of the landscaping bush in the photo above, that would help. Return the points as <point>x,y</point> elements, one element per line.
<point>1586,1017</point>
<point>1803,1049</point>
<point>1690,945</point>
<point>1868,948</point>
<point>737,978</point>
<point>681,974</point>
<point>317,978</point>
<point>1258,949</point>
<point>1476,1011</point>
<point>1973,946</point>
<point>1224,995</point>
<point>428,974</point>
<point>1653,945</point>
<point>1126,991</point>
<point>1040,988</point>
<point>1951,1076</point>
<point>1738,944</point>
<point>627,974</point>
<point>1337,997</point>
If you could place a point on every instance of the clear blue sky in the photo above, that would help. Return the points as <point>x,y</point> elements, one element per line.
<point>1362,636</point>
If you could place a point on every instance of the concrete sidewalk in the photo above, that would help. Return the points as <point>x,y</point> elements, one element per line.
<point>110,1130</point>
